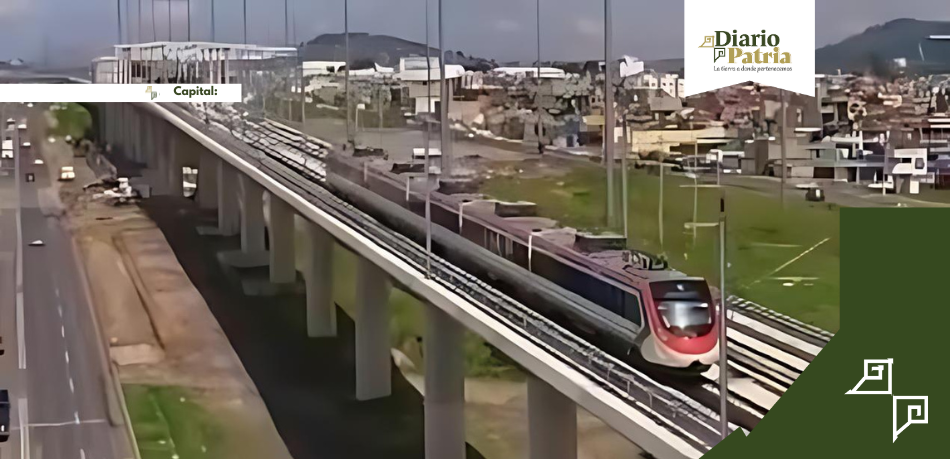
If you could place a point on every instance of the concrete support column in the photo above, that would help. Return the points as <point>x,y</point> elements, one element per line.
<point>372,332</point>
<point>228,211</point>
<point>281,238</point>
<point>552,422</point>
<point>138,137</point>
<point>207,178</point>
<point>252,216</point>
<point>321,312</point>
<point>444,386</point>
<point>173,166</point>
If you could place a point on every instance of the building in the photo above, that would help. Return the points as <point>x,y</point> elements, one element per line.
<point>189,62</point>
<point>414,74</point>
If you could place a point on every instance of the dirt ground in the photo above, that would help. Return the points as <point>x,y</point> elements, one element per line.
<point>159,328</point>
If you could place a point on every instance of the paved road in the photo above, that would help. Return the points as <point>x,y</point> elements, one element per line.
<point>64,383</point>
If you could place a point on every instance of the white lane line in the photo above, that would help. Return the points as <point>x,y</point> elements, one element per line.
<point>67,356</point>
<point>66,423</point>
<point>72,387</point>
<point>793,260</point>
<point>60,310</point>
<point>56,289</point>
<point>24,429</point>
<point>82,453</point>
<point>20,328</point>
<point>76,417</point>
<point>62,331</point>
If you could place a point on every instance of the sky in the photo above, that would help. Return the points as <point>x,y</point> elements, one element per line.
<point>71,32</point>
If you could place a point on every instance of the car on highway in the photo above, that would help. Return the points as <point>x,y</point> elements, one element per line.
<point>66,174</point>
<point>22,126</point>
<point>4,415</point>
<point>7,150</point>
<point>25,144</point>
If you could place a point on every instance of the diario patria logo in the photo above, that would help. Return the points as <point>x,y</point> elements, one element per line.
<point>736,48</point>
<point>772,43</point>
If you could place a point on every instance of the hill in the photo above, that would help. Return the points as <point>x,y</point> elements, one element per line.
<point>384,50</point>
<point>873,49</point>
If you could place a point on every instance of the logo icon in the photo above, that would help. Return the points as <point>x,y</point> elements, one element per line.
<point>719,52</point>
<point>154,94</point>
<point>707,41</point>
<point>917,410</point>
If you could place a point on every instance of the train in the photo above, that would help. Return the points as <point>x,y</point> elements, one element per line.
<point>644,313</point>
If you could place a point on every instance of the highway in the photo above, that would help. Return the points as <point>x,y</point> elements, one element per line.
<point>63,384</point>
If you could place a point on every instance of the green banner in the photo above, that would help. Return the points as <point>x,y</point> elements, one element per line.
<point>895,320</point>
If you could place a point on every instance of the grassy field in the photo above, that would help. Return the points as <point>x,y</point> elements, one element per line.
<point>71,119</point>
<point>766,246</point>
<point>167,424</point>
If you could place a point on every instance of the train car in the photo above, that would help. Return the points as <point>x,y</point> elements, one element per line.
<point>666,318</point>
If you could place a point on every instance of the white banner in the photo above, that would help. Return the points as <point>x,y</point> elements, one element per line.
<point>729,42</point>
<point>120,93</point>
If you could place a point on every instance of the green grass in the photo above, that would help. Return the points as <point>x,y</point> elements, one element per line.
<point>71,120</point>
<point>166,423</point>
<point>761,237</point>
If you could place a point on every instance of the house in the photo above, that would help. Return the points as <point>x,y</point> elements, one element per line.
<point>414,74</point>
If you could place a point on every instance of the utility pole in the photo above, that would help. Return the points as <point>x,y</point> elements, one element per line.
<point>189,20</point>
<point>169,20</point>
<point>623,180</point>
<point>445,97</point>
<point>118,15</point>
<point>346,76</point>
<point>286,23</point>
<point>782,140</point>
<point>138,30</point>
<point>428,136</point>
<point>245,18</point>
<point>609,122</point>
<point>213,36</point>
<point>540,123</point>
<point>723,363</point>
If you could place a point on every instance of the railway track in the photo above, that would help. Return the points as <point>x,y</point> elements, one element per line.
<point>277,149</point>
<point>767,351</point>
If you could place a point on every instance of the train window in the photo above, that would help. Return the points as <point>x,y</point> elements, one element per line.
<point>631,308</point>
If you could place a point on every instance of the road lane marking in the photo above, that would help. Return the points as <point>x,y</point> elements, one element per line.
<point>56,290</point>
<point>76,417</point>
<point>82,453</point>
<point>62,331</point>
<point>67,356</point>
<point>60,310</point>
<point>72,388</point>
<point>24,429</point>
<point>67,423</point>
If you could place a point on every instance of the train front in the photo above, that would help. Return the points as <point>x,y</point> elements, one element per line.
<point>683,321</point>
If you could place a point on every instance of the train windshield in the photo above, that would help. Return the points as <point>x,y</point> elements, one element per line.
<point>685,307</point>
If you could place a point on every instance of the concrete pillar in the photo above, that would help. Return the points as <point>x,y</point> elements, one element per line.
<point>321,312</point>
<point>552,422</point>
<point>282,269</point>
<point>252,216</point>
<point>173,166</point>
<point>444,386</point>
<point>138,137</point>
<point>372,332</point>
<point>228,211</point>
<point>207,178</point>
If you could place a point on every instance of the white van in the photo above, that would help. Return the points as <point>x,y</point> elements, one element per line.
<point>7,150</point>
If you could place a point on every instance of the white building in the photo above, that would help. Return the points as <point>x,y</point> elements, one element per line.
<point>413,71</point>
